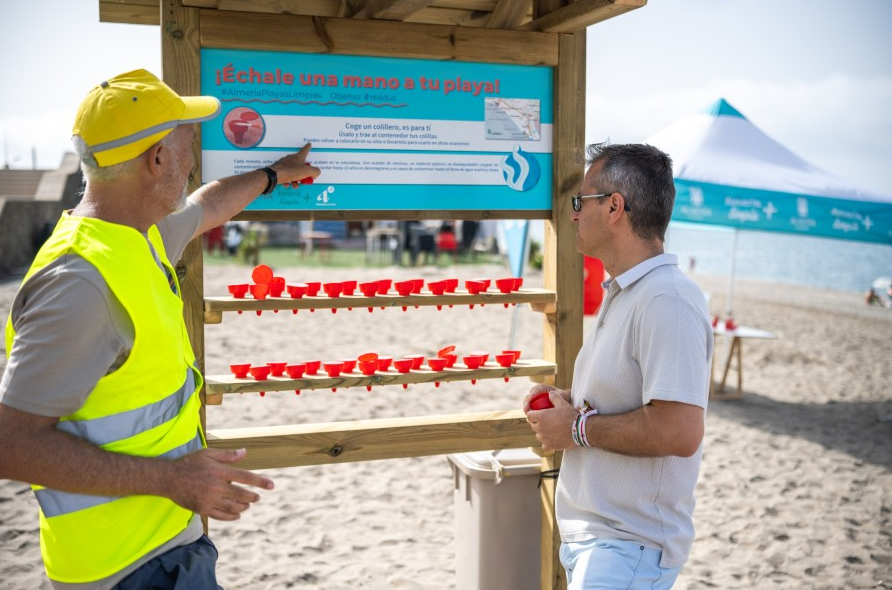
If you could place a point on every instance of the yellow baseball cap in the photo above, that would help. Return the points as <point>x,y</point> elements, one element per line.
<point>124,116</point>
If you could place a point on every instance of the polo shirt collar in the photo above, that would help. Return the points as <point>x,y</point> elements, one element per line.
<point>641,269</point>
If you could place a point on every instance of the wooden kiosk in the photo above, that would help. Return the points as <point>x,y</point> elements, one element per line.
<point>550,33</point>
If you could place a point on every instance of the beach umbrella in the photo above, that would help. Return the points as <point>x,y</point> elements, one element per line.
<point>728,172</point>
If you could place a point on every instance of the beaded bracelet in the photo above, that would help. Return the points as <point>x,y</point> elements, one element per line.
<point>578,431</point>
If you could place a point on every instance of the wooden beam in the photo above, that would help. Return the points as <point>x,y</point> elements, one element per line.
<point>579,15</point>
<point>305,7</point>
<point>508,14</point>
<point>392,9</point>
<point>562,266</point>
<point>132,13</point>
<point>238,30</point>
<point>371,440</point>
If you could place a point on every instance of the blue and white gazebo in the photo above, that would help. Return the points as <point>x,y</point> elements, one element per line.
<point>730,173</point>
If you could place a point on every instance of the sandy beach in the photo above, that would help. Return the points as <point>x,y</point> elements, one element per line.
<point>795,491</point>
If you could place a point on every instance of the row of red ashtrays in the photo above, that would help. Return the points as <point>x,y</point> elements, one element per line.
<point>277,286</point>
<point>370,363</point>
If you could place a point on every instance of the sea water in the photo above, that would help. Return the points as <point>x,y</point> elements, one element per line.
<point>809,261</point>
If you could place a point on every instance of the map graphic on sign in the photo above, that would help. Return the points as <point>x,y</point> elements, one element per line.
<point>512,118</point>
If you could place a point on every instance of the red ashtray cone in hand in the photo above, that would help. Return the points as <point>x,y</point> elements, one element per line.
<point>541,401</point>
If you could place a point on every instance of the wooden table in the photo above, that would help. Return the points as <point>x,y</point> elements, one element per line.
<point>735,351</point>
<point>319,240</point>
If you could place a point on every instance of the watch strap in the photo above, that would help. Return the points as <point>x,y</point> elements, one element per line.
<point>272,180</point>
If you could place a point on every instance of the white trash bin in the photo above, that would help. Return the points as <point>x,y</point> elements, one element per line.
<point>498,519</point>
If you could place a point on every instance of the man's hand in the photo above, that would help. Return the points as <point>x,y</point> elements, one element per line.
<point>205,483</point>
<point>553,426</point>
<point>293,168</point>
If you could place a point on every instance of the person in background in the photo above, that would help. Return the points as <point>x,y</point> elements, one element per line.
<point>632,425</point>
<point>99,405</point>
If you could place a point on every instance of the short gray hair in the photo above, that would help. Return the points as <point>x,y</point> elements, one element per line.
<point>643,175</point>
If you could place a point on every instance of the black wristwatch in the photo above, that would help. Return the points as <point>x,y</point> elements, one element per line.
<point>272,180</point>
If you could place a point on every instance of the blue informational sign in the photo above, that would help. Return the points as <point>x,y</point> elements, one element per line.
<point>388,133</point>
<point>756,209</point>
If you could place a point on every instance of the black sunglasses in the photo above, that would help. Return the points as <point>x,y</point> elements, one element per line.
<point>578,198</point>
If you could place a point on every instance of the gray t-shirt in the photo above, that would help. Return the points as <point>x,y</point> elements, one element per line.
<point>70,332</point>
<point>653,341</point>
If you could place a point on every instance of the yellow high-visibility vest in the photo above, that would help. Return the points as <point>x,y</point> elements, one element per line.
<point>147,407</point>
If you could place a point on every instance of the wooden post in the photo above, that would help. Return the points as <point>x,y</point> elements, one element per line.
<point>562,265</point>
<point>181,67</point>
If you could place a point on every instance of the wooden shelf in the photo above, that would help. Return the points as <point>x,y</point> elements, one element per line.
<point>371,440</point>
<point>218,385</point>
<point>539,299</point>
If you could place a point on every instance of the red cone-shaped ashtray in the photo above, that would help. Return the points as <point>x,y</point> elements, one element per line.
<point>436,364</point>
<point>349,287</point>
<point>437,287</point>
<point>417,285</point>
<point>403,365</point>
<point>541,401</point>
<point>384,286</point>
<point>333,289</point>
<point>349,365</point>
<point>276,286</point>
<point>505,285</point>
<point>262,274</point>
<point>505,360</point>
<point>259,373</point>
<point>518,283</point>
<point>474,287</point>
<point>486,282</point>
<point>450,359</point>
<point>730,325</point>
<point>368,367</point>
<point>516,354</point>
<point>480,353</point>
<point>297,290</point>
<point>296,371</point>
<point>276,369</point>
<point>333,368</point>
<point>417,360</point>
<point>238,291</point>
<point>240,370</point>
<point>369,289</point>
<point>259,290</point>
<point>384,362</point>
<point>404,288</point>
<point>313,367</point>
<point>473,361</point>
<point>313,288</point>
<point>451,285</point>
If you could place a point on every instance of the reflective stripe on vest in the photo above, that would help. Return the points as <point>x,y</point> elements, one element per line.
<point>108,429</point>
<point>56,503</point>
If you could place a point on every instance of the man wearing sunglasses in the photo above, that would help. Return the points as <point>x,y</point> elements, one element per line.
<point>632,426</point>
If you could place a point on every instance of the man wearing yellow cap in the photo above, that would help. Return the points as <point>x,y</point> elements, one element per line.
<point>99,399</point>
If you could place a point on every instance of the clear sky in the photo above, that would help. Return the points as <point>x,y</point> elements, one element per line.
<point>816,75</point>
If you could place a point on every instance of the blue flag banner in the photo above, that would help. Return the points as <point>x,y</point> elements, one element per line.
<point>516,235</point>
